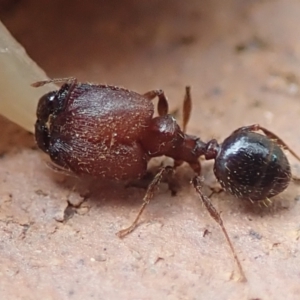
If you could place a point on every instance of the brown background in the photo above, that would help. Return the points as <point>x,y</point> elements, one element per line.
<point>242,59</point>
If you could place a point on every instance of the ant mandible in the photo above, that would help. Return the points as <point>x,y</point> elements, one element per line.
<point>108,131</point>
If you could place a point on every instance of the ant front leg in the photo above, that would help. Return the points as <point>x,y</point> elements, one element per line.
<point>56,168</point>
<point>269,134</point>
<point>196,181</point>
<point>146,200</point>
<point>162,106</point>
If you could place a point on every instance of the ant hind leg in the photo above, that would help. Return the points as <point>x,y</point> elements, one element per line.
<point>269,134</point>
<point>196,181</point>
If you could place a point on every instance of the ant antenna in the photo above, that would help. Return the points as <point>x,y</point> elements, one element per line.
<point>71,80</point>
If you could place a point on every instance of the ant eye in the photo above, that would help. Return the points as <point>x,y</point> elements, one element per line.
<point>45,106</point>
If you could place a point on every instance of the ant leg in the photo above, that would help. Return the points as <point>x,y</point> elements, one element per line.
<point>141,183</point>
<point>187,108</point>
<point>216,216</point>
<point>215,190</point>
<point>196,166</point>
<point>178,163</point>
<point>162,106</point>
<point>269,134</point>
<point>148,196</point>
<point>56,168</point>
<point>296,178</point>
<point>71,80</point>
<point>172,182</point>
<point>57,164</point>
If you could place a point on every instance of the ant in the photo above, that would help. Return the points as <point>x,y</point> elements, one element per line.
<point>108,131</point>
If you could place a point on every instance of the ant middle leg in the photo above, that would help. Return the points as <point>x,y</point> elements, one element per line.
<point>173,183</point>
<point>144,182</point>
<point>146,200</point>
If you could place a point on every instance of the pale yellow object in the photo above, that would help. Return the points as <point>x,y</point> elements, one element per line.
<point>18,99</point>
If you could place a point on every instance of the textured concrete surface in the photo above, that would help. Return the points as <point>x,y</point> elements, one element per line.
<point>242,59</point>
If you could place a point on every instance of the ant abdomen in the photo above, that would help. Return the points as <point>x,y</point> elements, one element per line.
<point>252,166</point>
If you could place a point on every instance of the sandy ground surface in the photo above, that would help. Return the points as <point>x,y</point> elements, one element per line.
<point>242,59</point>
